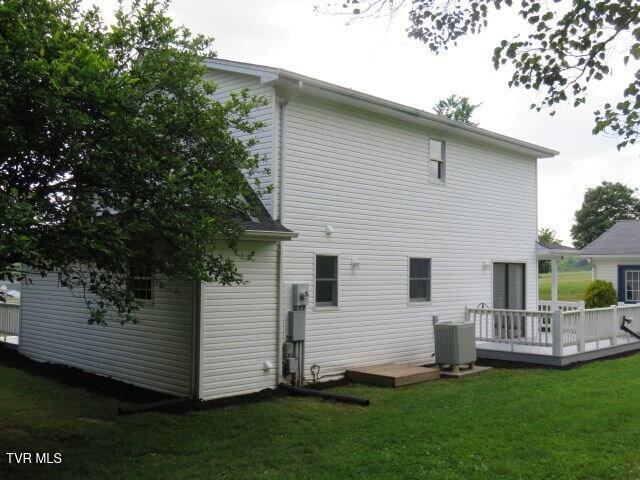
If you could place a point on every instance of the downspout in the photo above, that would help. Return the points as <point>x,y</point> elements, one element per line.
<point>281,211</point>
<point>195,340</point>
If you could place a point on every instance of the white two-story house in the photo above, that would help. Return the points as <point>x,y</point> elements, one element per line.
<point>391,215</point>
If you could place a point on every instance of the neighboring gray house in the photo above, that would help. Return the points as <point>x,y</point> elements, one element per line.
<point>399,215</point>
<point>615,257</point>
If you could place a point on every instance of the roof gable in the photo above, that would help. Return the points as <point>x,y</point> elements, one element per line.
<point>621,239</point>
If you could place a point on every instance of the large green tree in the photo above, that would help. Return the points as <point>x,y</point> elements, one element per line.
<point>547,235</point>
<point>601,208</point>
<point>457,108</point>
<point>564,45</point>
<point>115,162</point>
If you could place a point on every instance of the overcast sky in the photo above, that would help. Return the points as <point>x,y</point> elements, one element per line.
<point>376,57</point>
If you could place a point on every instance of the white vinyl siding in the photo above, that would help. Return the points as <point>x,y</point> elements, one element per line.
<point>228,82</point>
<point>238,331</point>
<point>154,354</point>
<point>366,176</point>
<point>607,268</point>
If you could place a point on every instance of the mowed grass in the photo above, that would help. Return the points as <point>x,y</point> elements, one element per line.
<point>513,424</point>
<point>571,285</point>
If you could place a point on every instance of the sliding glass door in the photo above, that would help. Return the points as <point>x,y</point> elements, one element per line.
<point>509,293</point>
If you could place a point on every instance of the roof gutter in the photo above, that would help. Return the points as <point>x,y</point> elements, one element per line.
<point>443,122</point>
<point>270,234</point>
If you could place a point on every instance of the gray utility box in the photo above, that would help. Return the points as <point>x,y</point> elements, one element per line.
<point>296,328</point>
<point>455,343</point>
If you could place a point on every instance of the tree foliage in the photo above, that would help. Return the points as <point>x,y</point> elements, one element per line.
<point>457,108</point>
<point>548,235</point>
<point>600,294</point>
<point>568,44</point>
<point>116,162</point>
<point>602,207</point>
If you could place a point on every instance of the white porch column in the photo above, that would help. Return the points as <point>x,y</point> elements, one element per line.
<point>554,284</point>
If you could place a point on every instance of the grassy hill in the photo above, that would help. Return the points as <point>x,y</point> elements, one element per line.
<point>571,285</point>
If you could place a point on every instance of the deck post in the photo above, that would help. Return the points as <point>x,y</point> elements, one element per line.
<point>615,321</point>
<point>580,330</point>
<point>556,334</point>
<point>554,284</point>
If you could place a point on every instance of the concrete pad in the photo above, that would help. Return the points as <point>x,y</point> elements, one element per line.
<point>467,372</point>
<point>392,375</point>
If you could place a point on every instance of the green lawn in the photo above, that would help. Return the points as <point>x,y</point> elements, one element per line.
<point>571,285</point>
<point>513,424</point>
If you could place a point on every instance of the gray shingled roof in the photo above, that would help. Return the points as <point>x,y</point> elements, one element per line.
<point>621,239</point>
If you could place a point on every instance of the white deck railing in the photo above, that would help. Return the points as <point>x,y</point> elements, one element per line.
<point>547,306</point>
<point>567,331</point>
<point>9,319</point>
<point>515,327</point>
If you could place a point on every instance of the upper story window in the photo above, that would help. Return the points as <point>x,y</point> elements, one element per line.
<point>419,279</point>
<point>326,280</point>
<point>437,160</point>
<point>143,288</point>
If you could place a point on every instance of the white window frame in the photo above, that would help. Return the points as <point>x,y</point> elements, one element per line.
<point>145,301</point>
<point>636,273</point>
<point>326,305</point>
<point>418,301</point>
<point>442,161</point>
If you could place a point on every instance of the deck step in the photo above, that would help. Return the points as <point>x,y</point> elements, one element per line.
<point>392,374</point>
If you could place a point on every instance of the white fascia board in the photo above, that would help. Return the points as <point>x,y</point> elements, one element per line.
<point>270,235</point>
<point>287,80</point>
<point>265,74</point>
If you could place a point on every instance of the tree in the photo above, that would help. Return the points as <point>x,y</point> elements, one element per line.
<point>602,207</point>
<point>568,44</point>
<point>456,108</point>
<point>547,235</point>
<point>116,162</point>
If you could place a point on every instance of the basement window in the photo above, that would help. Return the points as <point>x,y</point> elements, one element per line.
<point>420,279</point>
<point>437,159</point>
<point>326,280</point>
<point>143,288</point>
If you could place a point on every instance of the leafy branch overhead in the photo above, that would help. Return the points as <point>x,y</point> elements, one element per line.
<point>457,108</point>
<point>568,45</point>
<point>116,161</point>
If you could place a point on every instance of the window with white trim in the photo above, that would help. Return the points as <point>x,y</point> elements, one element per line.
<point>632,286</point>
<point>420,279</point>
<point>142,288</point>
<point>437,160</point>
<point>326,280</point>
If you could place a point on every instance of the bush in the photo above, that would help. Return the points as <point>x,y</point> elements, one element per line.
<point>600,294</point>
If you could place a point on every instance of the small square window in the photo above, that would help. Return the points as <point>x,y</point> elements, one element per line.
<point>437,159</point>
<point>420,279</point>
<point>326,280</point>
<point>143,289</point>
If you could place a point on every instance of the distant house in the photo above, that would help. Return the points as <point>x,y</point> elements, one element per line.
<point>615,257</point>
<point>393,216</point>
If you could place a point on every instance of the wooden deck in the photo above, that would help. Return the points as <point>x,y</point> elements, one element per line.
<point>542,355</point>
<point>392,375</point>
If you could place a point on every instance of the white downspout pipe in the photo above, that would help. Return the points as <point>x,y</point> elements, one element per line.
<point>281,211</point>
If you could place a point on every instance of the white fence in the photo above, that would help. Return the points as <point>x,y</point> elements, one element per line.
<point>9,319</point>
<point>567,331</point>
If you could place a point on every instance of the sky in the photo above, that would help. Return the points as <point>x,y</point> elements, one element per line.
<point>376,57</point>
